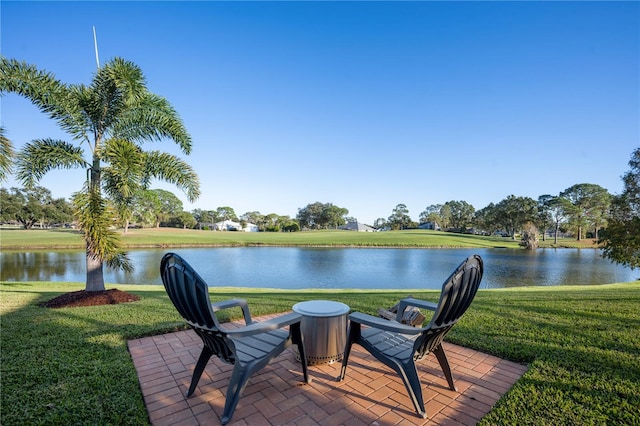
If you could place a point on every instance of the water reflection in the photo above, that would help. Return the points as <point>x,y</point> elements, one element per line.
<point>371,268</point>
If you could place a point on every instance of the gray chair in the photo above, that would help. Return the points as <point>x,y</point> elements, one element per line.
<point>248,348</point>
<point>398,345</point>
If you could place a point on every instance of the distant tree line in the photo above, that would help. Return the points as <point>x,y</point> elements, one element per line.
<point>34,207</point>
<point>582,210</point>
<point>271,222</point>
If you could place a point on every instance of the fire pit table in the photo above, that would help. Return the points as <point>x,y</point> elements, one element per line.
<point>324,330</point>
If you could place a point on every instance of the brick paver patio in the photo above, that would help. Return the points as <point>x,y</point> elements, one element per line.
<point>371,393</point>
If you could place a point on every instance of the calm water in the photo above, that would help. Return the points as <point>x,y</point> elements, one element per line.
<point>362,268</point>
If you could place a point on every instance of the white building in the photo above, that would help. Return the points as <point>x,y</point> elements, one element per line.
<point>229,225</point>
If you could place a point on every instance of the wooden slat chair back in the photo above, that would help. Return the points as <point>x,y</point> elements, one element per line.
<point>249,348</point>
<point>399,345</point>
<point>458,291</point>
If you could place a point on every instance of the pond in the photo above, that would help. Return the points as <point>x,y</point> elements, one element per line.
<point>332,268</point>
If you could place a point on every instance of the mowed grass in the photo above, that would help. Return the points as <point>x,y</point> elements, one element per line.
<point>15,239</point>
<point>582,346</point>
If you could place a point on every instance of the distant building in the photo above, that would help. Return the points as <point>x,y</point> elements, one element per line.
<point>250,227</point>
<point>429,225</point>
<point>229,225</point>
<point>357,226</point>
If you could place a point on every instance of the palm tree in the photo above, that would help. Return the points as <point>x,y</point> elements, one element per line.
<point>111,117</point>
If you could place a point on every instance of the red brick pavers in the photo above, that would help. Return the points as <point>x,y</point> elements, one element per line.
<point>371,393</point>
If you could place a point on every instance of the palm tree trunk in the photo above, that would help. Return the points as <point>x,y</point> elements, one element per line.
<point>95,278</point>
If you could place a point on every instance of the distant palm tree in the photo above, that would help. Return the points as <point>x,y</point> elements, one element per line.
<point>111,117</point>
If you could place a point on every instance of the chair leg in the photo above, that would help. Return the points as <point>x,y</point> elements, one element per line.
<point>239,379</point>
<point>444,364</point>
<point>197,372</point>
<point>238,382</point>
<point>409,374</point>
<point>352,336</point>
<point>296,339</point>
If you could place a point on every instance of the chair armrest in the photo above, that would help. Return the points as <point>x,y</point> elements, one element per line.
<point>410,301</point>
<point>264,326</point>
<point>234,303</point>
<point>383,324</point>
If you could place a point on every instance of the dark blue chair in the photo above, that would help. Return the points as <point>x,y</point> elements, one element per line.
<point>398,345</point>
<point>248,348</point>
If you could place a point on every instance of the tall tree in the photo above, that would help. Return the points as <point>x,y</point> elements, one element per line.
<point>170,206</point>
<point>333,216</point>
<point>113,117</point>
<point>544,219</point>
<point>557,208</point>
<point>226,213</point>
<point>147,208</point>
<point>588,206</point>
<point>621,240</point>
<point>321,215</point>
<point>310,215</point>
<point>460,214</point>
<point>400,218</point>
<point>446,214</point>
<point>485,219</point>
<point>514,212</point>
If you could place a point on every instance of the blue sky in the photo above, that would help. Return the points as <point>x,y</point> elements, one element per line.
<point>361,104</point>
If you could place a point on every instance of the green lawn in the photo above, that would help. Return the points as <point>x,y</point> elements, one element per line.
<point>582,345</point>
<point>16,239</point>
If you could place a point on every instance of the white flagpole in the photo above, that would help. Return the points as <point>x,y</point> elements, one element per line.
<point>95,43</point>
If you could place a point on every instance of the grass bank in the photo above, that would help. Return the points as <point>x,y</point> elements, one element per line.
<point>71,366</point>
<point>17,239</point>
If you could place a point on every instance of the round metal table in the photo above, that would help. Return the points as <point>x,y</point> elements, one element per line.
<point>324,330</point>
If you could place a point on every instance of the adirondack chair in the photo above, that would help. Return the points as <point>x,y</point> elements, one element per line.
<point>249,348</point>
<point>399,345</point>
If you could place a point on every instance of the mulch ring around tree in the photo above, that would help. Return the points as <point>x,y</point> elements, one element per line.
<point>90,298</point>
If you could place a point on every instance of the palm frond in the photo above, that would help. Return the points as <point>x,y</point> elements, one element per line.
<point>127,76</point>
<point>115,88</point>
<point>123,177</point>
<point>98,108</point>
<point>46,92</point>
<point>40,87</point>
<point>43,155</point>
<point>6,155</point>
<point>153,119</point>
<point>172,169</point>
<point>95,220</point>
